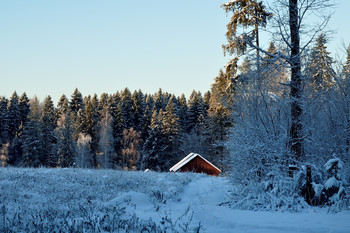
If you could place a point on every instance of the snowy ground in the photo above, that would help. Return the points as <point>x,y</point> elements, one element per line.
<point>107,201</point>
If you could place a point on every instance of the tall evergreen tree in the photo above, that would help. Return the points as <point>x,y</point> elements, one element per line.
<point>206,100</point>
<point>245,13</point>
<point>33,139</point>
<point>159,100</point>
<point>127,108</point>
<point>49,123</point>
<point>138,108</point>
<point>66,146</point>
<point>171,134</point>
<point>195,109</point>
<point>182,112</point>
<point>105,101</point>
<point>24,109</point>
<point>147,115</point>
<point>154,143</point>
<point>320,67</point>
<point>118,127</point>
<point>89,126</point>
<point>76,103</point>
<point>14,117</point>
<point>62,107</point>
<point>3,120</point>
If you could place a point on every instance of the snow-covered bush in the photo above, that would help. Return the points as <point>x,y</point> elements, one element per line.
<point>329,190</point>
<point>275,192</point>
<point>334,189</point>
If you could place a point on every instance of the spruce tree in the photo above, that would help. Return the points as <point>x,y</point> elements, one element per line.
<point>49,123</point>
<point>245,13</point>
<point>33,138</point>
<point>320,67</point>
<point>105,101</point>
<point>66,146</point>
<point>147,115</point>
<point>62,107</point>
<point>182,112</point>
<point>14,117</point>
<point>76,103</point>
<point>3,120</point>
<point>171,134</point>
<point>206,100</point>
<point>118,127</point>
<point>138,108</point>
<point>89,126</point>
<point>195,109</point>
<point>127,108</point>
<point>24,109</point>
<point>159,100</point>
<point>154,143</point>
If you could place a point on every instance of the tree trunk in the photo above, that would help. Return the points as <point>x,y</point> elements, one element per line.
<point>296,129</point>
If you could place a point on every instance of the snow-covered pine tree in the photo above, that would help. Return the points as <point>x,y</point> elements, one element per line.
<point>76,103</point>
<point>206,100</point>
<point>49,123</point>
<point>23,107</point>
<point>62,107</point>
<point>147,115</point>
<point>118,127</point>
<point>171,132</point>
<point>127,108</point>
<point>138,108</point>
<point>66,146</point>
<point>90,125</point>
<point>105,101</point>
<point>195,106</point>
<point>320,66</point>
<point>182,112</point>
<point>3,120</point>
<point>154,142</point>
<point>33,138</point>
<point>14,117</point>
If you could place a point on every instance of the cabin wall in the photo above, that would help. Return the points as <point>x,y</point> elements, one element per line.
<point>199,165</point>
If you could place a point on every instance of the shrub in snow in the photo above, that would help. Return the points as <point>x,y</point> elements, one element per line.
<point>334,186</point>
<point>328,192</point>
<point>275,192</point>
<point>311,193</point>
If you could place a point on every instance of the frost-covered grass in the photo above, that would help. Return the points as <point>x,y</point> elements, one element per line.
<point>75,200</point>
<point>78,200</point>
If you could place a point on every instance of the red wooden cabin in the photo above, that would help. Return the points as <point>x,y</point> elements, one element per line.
<point>195,163</point>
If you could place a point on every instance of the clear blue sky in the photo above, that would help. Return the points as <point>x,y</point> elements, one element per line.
<point>50,47</point>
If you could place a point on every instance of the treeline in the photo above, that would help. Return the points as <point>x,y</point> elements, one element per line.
<point>120,131</point>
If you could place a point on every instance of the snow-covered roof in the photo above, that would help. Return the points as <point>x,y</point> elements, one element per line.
<point>187,159</point>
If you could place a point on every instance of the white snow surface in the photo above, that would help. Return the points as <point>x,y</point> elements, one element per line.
<point>196,199</point>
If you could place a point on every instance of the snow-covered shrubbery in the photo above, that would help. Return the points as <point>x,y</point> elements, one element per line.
<point>277,191</point>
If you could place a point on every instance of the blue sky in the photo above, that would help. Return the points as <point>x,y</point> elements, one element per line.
<point>52,47</point>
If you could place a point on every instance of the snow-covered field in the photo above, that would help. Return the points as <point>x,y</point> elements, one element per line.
<point>75,200</point>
